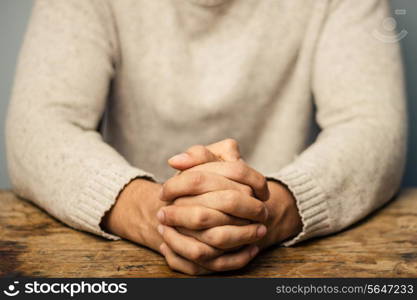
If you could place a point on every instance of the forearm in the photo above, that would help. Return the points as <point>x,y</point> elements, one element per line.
<point>56,156</point>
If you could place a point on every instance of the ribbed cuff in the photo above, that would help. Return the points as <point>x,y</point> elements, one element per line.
<point>99,195</point>
<point>311,203</point>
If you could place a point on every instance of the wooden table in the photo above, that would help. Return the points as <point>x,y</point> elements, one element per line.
<point>34,244</point>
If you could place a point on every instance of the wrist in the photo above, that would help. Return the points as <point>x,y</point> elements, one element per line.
<point>133,216</point>
<point>284,221</point>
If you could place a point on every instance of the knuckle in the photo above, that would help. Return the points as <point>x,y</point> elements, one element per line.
<point>231,143</point>
<point>242,261</point>
<point>231,199</point>
<point>219,265</point>
<point>251,233</point>
<point>223,264</point>
<point>259,210</point>
<point>196,178</point>
<point>247,190</point>
<point>198,253</point>
<point>240,169</point>
<point>216,239</point>
<point>201,219</point>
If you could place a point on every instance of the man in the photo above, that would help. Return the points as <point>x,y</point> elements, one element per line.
<point>107,91</point>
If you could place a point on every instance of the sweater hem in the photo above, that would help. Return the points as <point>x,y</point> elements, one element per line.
<point>99,196</point>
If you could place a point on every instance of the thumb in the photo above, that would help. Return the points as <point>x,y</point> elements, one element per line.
<point>225,150</point>
<point>194,156</point>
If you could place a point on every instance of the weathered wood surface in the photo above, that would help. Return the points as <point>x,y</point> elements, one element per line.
<point>34,244</point>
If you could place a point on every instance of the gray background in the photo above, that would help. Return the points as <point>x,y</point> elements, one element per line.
<point>14,16</point>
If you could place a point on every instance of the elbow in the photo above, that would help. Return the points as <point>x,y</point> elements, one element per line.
<point>390,160</point>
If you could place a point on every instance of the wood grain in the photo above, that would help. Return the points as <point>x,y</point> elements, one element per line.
<point>34,244</point>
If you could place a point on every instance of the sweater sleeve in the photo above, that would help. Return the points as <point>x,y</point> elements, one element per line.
<point>356,163</point>
<point>57,158</point>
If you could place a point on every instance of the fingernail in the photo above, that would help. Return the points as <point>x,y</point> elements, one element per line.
<point>261,231</point>
<point>161,216</point>
<point>160,229</point>
<point>254,251</point>
<point>179,158</point>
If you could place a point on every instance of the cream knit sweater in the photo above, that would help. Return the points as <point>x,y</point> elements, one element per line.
<point>106,91</point>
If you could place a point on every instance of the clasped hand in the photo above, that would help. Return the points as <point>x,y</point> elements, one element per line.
<point>215,214</point>
<point>217,210</point>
